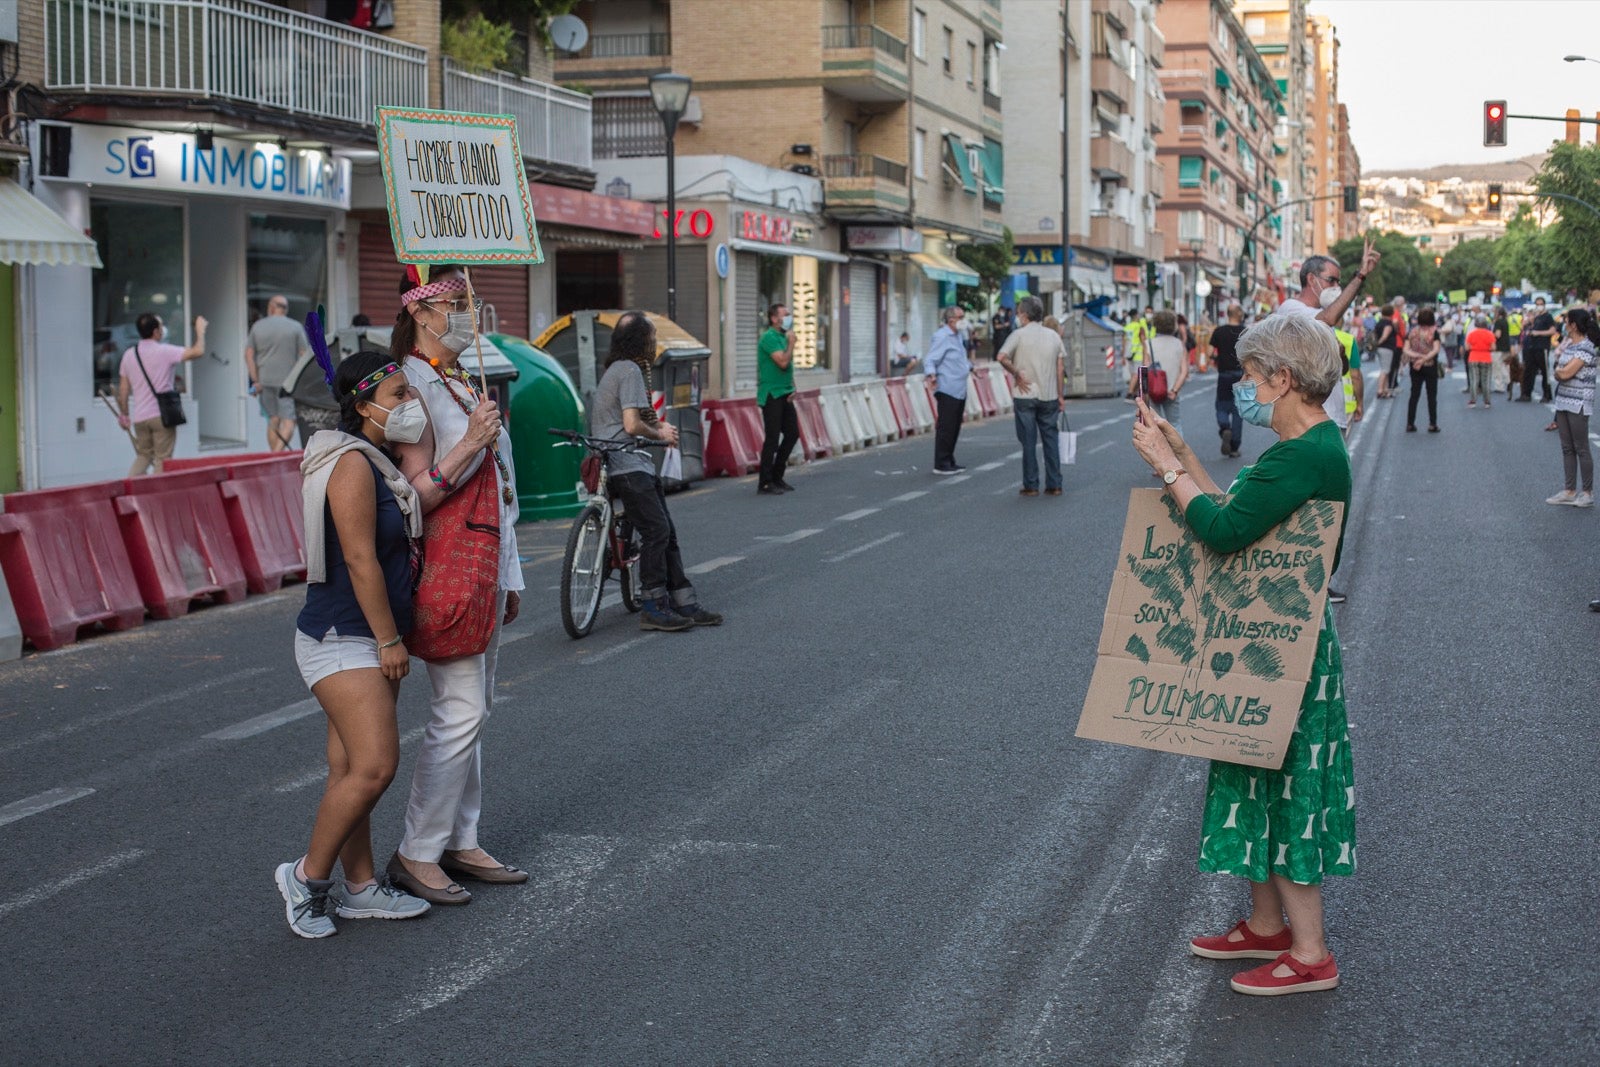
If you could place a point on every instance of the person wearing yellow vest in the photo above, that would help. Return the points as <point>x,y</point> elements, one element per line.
<point>1138,333</point>
<point>1349,398</point>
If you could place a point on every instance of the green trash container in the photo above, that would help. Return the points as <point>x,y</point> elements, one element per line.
<point>542,399</point>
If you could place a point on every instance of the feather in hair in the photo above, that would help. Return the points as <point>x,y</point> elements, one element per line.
<point>319,346</point>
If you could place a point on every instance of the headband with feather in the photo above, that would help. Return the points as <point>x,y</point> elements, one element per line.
<point>319,346</point>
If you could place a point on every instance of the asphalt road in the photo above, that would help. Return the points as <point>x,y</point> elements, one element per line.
<point>851,826</point>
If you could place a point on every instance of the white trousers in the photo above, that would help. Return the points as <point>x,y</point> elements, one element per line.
<point>447,787</point>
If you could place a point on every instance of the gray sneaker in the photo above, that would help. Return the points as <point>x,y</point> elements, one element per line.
<point>1584,499</point>
<point>381,900</point>
<point>307,904</point>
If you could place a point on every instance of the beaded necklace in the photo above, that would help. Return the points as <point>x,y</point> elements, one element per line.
<point>456,373</point>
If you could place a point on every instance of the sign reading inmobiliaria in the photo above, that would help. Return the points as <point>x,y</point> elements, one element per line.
<point>456,188</point>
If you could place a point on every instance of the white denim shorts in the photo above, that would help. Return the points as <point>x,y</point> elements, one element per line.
<point>334,653</point>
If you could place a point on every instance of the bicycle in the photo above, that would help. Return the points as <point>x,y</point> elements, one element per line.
<point>601,539</point>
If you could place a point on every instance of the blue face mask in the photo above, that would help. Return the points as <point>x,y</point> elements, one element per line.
<point>1251,410</point>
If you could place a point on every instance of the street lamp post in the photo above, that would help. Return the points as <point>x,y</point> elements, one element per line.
<point>1195,245</point>
<point>670,94</point>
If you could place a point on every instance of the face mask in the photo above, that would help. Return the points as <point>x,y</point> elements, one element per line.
<point>1328,297</point>
<point>1251,410</point>
<point>405,423</point>
<point>788,322</point>
<point>457,330</point>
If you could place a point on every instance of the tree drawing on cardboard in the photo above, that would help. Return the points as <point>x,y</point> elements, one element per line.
<point>1208,654</point>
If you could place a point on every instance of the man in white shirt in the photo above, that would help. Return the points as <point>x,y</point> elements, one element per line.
<point>1034,355</point>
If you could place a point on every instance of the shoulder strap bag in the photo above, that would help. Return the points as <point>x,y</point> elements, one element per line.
<point>453,610</point>
<point>170,402</point>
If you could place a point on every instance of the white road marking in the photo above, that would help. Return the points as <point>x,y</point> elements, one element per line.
<point>50,798</point>
<point>61,885</point>
<point>513,637</point>
<point>904,497</point>
<point>953,479</point>
<point>788,538</point>
<point>320,774</point>
<point>1013,487</point>
<point>1015,455</point>
<point>1098,447</point>
<point>709,565</point>
<point>863,548</point>
<point>173,697</point>
<point>607,653</point>
<point>270,721</point>
<point>854,515</point>
<point>994,465</point>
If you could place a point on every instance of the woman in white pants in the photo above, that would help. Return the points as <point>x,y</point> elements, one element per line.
<point>464,431</point>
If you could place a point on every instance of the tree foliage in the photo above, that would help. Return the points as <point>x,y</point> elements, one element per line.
<point>1470,265</point>
<point>993,262</point>
<point>1569,250</point>
<point>1402,270</point>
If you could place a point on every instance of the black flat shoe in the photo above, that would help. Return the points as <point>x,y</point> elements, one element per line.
<point>1411,429</point>
<point>505,874</point>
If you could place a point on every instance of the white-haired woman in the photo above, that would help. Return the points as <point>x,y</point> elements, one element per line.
<point>1282,830</point>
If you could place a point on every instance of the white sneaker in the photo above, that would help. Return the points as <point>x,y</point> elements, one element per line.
<point>1566,496</point>
<point>305,904</point>
<point>381,900</point>
<point>1584,500</point>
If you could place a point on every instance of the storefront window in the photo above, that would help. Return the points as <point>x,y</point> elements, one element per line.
<point>289,256</point>
<point>141,246</point>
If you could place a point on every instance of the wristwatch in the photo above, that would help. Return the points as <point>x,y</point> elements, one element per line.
<point>1169,477</point>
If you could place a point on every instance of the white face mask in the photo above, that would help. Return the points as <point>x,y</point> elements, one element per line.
<point>405,423</point>
<point>788,322</point>
<point>457,330</point>
<point>1328,297</point>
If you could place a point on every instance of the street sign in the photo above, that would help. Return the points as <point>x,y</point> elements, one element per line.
<point>722,261</point>
<point>456,188</point>
<point>1205,654</point>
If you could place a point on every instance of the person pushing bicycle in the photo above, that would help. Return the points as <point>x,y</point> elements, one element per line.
<point>621,410</point>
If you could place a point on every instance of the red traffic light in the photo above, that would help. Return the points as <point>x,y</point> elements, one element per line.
<point>1494,123</point>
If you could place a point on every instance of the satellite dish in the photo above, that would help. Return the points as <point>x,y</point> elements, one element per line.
<point>568,33</point>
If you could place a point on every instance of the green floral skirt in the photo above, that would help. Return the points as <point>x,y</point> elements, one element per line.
<point>1298,822</point>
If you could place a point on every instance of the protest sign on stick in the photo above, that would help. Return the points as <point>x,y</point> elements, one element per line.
<point>1205,654</point>
<point>457,192</point>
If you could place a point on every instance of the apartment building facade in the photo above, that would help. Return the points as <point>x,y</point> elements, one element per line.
<point>218,152</point>
<point>843,150</point>
<point>1218,148</point>
<point>1350,222</point>
<point>1102,59</point>
<point>1322,132</point>
<point>1278,29</point>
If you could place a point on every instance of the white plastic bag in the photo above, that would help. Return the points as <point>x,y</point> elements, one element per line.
<point>1067,442</point>
<point>672,465</point>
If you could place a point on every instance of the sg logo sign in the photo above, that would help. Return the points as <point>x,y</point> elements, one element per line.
<point>136,158</point>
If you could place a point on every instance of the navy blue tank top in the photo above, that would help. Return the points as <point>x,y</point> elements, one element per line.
<point>332,604</point>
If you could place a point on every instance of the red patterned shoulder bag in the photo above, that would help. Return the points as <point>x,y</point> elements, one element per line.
<point>454,607</point>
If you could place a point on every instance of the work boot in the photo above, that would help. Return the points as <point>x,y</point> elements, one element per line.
<point>657,614</point>
<point>699,615</point>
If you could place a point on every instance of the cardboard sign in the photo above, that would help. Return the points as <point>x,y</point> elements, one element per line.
<point>1204,654</point>
<point>456,188</point>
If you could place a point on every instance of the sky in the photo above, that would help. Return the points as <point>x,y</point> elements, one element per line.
<point>1415,73</point>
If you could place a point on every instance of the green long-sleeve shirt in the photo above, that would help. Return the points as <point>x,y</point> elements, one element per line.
<point>1313,466</point>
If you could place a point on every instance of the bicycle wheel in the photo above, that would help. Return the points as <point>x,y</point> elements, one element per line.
<point>583,572</point>
<point>632,596</point>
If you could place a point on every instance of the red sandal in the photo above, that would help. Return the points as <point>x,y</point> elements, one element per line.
<point>1252,947</point>
<point>1307,977</point>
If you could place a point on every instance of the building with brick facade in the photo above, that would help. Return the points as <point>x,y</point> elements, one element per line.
<point>218,152</point>
<point>1103,58</point>
<point>1278,29</point>
<point>840,150</point>
<point>1217,147</point>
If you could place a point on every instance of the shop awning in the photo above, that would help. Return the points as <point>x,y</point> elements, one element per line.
<point>1223,81</point>
<point>957,164</point>
<point>739,244</point>
<point>943,268</point>
<point>31,233</point>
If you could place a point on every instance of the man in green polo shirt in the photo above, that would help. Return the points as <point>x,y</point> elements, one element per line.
<point>775,396</point>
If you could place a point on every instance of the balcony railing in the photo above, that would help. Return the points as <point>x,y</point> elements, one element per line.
<point>553,124</point>
<point>621,45</point>
<point>991,100</point>
<point>863,166</point>
<point>864,36</point>
<point>241,50</point>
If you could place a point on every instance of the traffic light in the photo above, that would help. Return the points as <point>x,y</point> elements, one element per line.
<point>1494,123</point>
<point>1494,200</point>
<point>1352,198</point>
<point>1152,277</point>
<point>1438,261</point>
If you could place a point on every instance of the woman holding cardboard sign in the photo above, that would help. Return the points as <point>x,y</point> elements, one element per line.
<point>1283,830</point>
<point>458,457</point>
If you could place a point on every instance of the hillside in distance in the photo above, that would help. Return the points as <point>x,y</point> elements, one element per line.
<point>1511,170</point>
